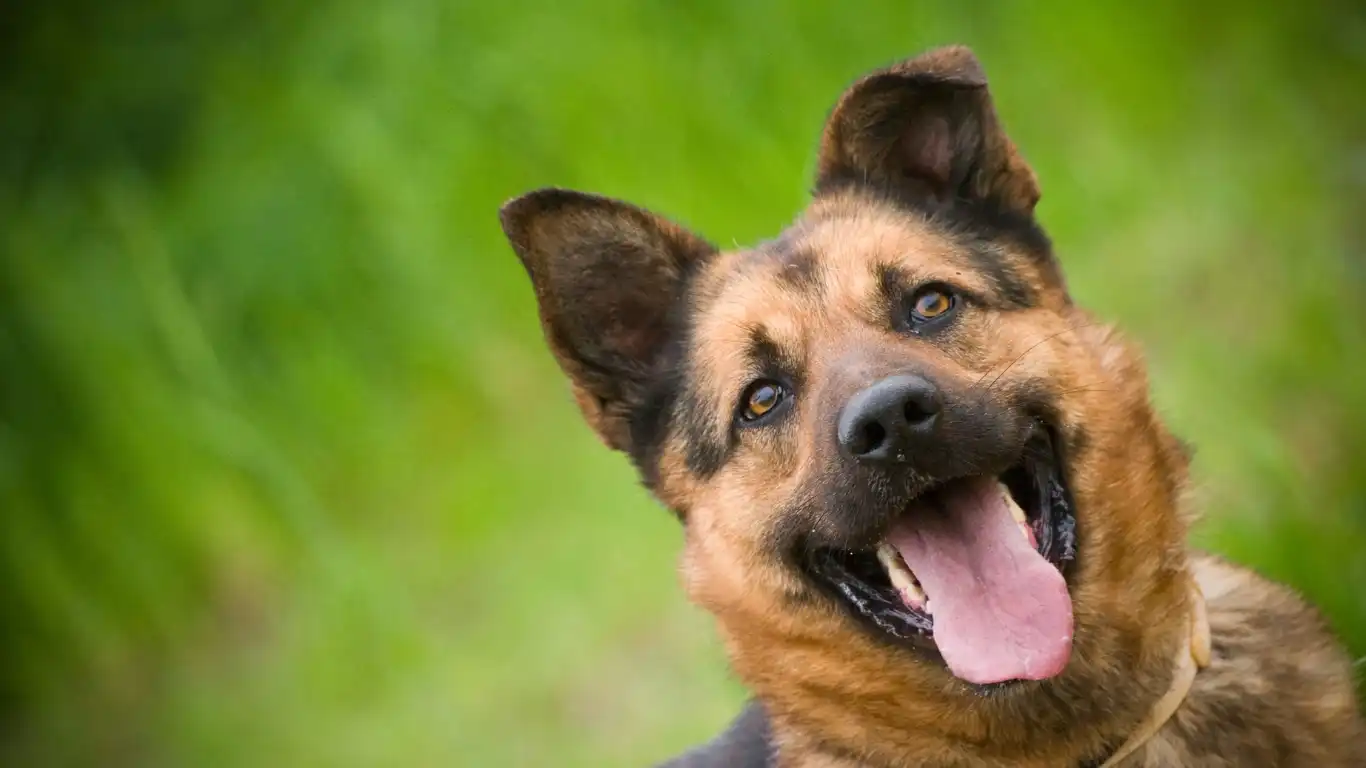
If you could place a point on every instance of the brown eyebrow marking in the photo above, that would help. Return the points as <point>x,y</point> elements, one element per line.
<point>771,358</point>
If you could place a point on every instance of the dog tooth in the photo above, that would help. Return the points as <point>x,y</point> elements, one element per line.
<point>900,581</point>
<point>1015,510</point>
<point>902,578</point>
<point>888,556</point>
<point>894,565</point>
<point>915,598</point>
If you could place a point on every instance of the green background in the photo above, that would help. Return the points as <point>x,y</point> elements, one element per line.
<point>287,476</point>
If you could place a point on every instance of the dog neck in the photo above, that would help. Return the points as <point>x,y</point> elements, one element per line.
<point>1191,656</point>
<point>751,741</point>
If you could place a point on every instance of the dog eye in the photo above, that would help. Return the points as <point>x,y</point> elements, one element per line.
<point>761,398</point>
<point>931,303</point>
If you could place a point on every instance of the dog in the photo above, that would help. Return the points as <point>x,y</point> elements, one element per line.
<point>924,494</point>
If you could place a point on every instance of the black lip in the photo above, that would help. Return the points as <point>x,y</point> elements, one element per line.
<point>856,580</point>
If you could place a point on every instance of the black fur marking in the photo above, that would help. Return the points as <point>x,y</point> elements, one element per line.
<point>706,447</point>
<point>773,360</point>
<point>1014,292</point>
<point>706,450</point>
<point>894,288</point>
<point>667,402</point>
<point>987,219</point>
<point>792,265</point>
<point>650,422</point>
<point>800,271</point>
<point>892,282</point>
<point>747,743</point>
<point>788,537</point>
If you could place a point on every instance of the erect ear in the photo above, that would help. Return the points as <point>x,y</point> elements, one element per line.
<point>926,128</point>
<point>607,277</point>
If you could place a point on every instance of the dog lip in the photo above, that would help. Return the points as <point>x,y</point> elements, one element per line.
<point>1038,433</point>
<point>854,578</point>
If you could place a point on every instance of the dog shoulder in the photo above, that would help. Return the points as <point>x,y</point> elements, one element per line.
<point>1278,690</point>
<point>747,743</point>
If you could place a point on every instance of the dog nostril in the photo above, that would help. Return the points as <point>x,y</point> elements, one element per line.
<point>916,412</point>
<point>889,420</point>
<point>874,434</point>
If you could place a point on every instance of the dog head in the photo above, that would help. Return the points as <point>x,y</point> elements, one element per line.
<point>924,494</point>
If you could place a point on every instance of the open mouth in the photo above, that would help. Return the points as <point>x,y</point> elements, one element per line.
<point>975,569</point>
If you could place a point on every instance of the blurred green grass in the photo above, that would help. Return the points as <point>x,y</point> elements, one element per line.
<point>286,475</point>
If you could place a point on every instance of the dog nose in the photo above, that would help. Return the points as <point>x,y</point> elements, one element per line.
<point>884,422</point>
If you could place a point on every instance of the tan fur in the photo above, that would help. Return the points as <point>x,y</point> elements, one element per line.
<point>1279,688</point>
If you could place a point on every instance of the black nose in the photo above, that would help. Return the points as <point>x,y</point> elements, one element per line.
<point>887,420</point>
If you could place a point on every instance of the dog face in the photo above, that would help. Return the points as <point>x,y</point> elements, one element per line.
<point>923,493</point>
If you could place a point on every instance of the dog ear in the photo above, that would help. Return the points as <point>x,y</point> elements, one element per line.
<point>607,277</point>
<point>926,129</point>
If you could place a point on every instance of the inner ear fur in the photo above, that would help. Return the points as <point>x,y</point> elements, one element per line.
<point>926,129</point>
<point>607,276</point>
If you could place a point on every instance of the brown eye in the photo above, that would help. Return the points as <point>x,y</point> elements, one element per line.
<point>931,303</point>
<point>761,398</point>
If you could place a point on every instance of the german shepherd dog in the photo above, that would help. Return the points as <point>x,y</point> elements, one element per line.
<point>924,495</point>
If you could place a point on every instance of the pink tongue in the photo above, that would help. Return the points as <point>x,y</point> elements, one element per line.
<point>1001,611</point>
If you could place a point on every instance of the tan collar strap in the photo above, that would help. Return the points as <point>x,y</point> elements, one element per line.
<point>1191,657</point>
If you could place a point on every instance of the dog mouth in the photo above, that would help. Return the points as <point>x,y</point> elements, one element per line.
<point>974,569</point>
